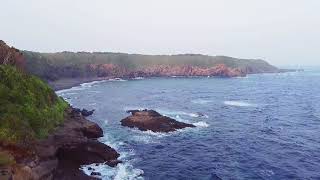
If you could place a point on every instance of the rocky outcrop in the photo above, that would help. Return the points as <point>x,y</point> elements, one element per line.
<point>11,56</point>
<point>83,112</point>
<point>151,120</point>
<point>60,155</point>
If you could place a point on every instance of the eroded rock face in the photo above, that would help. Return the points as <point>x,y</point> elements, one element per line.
<point>64,151</point>
<point>220,70</point>
<point>11,56</point>
<point>151,120</point>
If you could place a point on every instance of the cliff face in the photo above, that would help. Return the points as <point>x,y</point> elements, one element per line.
<point>55,66</point>
<point>61,154</point>
<point>11,56</point>
<point>220,70</point>
<point>41,137</point>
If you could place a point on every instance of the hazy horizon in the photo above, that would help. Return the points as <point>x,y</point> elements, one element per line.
<point>284,33</point>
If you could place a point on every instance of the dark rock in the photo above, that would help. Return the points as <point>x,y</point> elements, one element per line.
<point>113,163</point>
<point>93,131</point>
<point>86,113</point>
<point>62,153</point>
<point>90,168</point>
<point>95,174</point>
<point>83,112</point>
<point>151,120</point>
<point>76,110</point>
<point>76,145</point>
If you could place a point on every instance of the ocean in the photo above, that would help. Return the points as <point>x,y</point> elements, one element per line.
<point>263,126</point>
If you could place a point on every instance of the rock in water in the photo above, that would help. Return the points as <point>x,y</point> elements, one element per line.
<point>151,120</point>
<point>86,113</point>
<point>83,112</point>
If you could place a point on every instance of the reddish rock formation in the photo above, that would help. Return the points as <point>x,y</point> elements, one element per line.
<point>11,56</point>
<point>61,154</point>
<point>152,120</point>
<point>220,70</point>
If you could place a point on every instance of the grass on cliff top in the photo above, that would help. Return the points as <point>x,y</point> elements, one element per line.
<point>29,108</point>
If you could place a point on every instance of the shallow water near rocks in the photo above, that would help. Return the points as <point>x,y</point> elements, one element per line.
<point>265,126</point>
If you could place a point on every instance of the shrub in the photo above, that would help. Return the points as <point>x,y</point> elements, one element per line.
<point>29,108</point>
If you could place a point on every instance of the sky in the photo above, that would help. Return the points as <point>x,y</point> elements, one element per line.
<point>283,32</point>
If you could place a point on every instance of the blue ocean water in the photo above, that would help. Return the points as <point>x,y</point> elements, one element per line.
<point>264,126</point>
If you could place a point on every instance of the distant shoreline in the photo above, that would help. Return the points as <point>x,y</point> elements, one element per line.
<point>67,83</point>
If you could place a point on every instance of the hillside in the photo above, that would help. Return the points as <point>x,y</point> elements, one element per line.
<point>55,66</point>
<point>41,136</point>
<point>29,108</point>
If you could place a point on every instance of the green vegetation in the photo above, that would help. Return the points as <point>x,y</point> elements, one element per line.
<point>29,108</point>
<point>6,159</point>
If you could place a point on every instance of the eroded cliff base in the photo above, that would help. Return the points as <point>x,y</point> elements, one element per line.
<point>60,156</point>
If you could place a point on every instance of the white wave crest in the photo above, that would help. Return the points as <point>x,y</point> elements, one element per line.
<point>117,79</point>
<point>177,114</point>
<point>78,88</point>
<point>239,104</point>
<point>201,124</point>
<point>90,84</point>
<point>201,101</point>
<point>147,137</point>
<point>63,91</point>
<point>123,171</point>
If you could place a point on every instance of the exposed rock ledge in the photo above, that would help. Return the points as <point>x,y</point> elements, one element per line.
<point>61,154</point>
<point>151,120</point>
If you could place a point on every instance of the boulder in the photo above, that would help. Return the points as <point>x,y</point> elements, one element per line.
<point>151,120</point>
<point>83,112</point>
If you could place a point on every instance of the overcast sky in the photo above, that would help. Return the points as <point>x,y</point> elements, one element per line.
<point>283,32</point>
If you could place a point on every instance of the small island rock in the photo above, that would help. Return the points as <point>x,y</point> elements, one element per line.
<point>151,120</point>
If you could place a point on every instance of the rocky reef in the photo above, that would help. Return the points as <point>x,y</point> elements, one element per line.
<point>74,143</point>
<point>151,120</point>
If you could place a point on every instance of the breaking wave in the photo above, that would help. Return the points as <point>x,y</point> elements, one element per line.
<point>201,101</point>
<point>117,79</point>
<point>239,104</point>
<point>201,124</point>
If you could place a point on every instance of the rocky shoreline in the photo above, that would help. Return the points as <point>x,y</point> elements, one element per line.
<point>66,83</point>
<point>60,156</point>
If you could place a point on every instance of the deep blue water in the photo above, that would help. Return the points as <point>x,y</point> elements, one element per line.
<point>265,126</point>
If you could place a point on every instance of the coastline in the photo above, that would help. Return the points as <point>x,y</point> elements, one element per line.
<point>61,154</point>
<point>67,83</point>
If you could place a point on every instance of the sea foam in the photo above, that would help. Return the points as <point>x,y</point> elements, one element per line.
<point>201,101</point>
<point>239,103</point>
<point>117,79</point>
<point>201,124</point>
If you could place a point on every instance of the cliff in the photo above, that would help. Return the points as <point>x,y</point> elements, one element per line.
<point>41,137</point>
<point>11,56</point>
<point>55,66</point>
<point>60,155</point>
